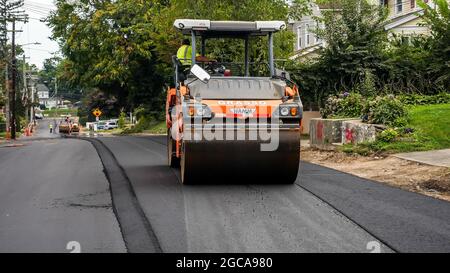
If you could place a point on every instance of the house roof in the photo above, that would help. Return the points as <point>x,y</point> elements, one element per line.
<point>306,51</point>
<point>402,19</point>
<point>42,88</point>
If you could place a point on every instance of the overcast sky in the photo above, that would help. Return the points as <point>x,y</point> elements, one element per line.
<point>36,31</point>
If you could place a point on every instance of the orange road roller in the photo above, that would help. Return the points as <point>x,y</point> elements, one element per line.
<point>232,122</point>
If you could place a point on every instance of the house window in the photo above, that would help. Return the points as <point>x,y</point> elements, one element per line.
<point>383,3</point>
<point>399,6</point>
<point>317,37</point>
<point>406,40</point>
<point>299,38</point>
<point>413,4</point>
<point>307,35</point>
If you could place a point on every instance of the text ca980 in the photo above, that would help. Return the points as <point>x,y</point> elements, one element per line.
<point>246,262</point>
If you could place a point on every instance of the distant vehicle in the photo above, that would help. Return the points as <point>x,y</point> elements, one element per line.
<point>111,125</point>
<point>75,128</point>
<point>101,125</point>
<point>38,116</point>
<point>65,127</point>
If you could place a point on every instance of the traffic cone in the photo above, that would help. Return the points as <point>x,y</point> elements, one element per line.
<point>8,134</point>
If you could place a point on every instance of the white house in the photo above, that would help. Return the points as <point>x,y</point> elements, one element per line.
<point>43,93</point>
<point>306,42</point>
<point>403,19</point>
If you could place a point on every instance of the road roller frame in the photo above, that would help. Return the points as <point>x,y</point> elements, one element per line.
<point>232,128</point>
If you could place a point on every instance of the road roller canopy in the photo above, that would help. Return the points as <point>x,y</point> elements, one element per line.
<point>209,28</point>
<point>206,29</point>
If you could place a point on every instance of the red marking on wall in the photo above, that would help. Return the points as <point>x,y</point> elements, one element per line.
<point>349,135</point>
<point>319,130</point>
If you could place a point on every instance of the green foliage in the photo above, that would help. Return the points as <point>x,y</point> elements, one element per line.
<point>354,43</point>
<point>367,88</point>
<point>416,99</point>
<point>431,123</point>
<point>400,122</point>
<point>358,56</point>
<point>384,110</point>
<point>343,106</point>
<point>353,57</point>
<point>430,133</point>
<point>438,20</point>
<point>406,61</point>
<point>388,135</point>
<point>124,47</point>
<point>122,120</point>
<point>108,47</point>
<point>147,124</point>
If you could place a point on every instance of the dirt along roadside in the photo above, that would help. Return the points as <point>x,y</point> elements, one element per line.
<point>424,179</point>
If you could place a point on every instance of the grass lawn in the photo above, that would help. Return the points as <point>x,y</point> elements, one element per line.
<point>431,124</point>
<point>53,113</point>
<point>157,127</point>
<point>152,127</point>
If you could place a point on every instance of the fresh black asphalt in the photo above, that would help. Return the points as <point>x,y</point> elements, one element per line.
<point>136,230</point>
<point>230,217</point>
<point>406,221</point>
<point>54,191</point>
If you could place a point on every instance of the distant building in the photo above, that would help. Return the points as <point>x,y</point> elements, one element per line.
<point>43,93</point>
<point>403,20</point>
<point>404,17</point>
<point>306,42</point>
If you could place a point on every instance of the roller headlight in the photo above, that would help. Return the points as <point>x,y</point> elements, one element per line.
<point>201,111</point>
<point>284,111</point>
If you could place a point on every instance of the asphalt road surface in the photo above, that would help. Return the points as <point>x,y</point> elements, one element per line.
<point>54,191</point>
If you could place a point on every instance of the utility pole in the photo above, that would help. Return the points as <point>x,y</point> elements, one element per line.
<point>10,13</point>
<point>56,96</point>
<point>24,76</point>
<point>8,113</point>
<point>13,87</point>
<point>12,100</point>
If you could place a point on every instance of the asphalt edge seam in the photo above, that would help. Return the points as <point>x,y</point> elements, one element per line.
<point>136,205</point>
<point>350,219</point>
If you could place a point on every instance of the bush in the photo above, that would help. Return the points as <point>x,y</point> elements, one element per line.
<point>347,105</point>
<point>143,124</point>
<point>416,99</point>
<point>147,123</point>
<point>388,135</point>
<point>384,110</point>
<point>122,119</point>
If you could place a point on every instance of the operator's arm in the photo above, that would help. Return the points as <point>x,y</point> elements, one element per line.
<point>204,59</point>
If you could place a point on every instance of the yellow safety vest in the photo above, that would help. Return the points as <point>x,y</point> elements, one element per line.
<point>184,54</point>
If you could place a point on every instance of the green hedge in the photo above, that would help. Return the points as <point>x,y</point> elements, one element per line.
<point>416,99</point>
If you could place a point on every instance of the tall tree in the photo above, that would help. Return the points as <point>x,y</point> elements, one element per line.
<point>123,47</point>
<point>438,20</point>
<point>108,45</point>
